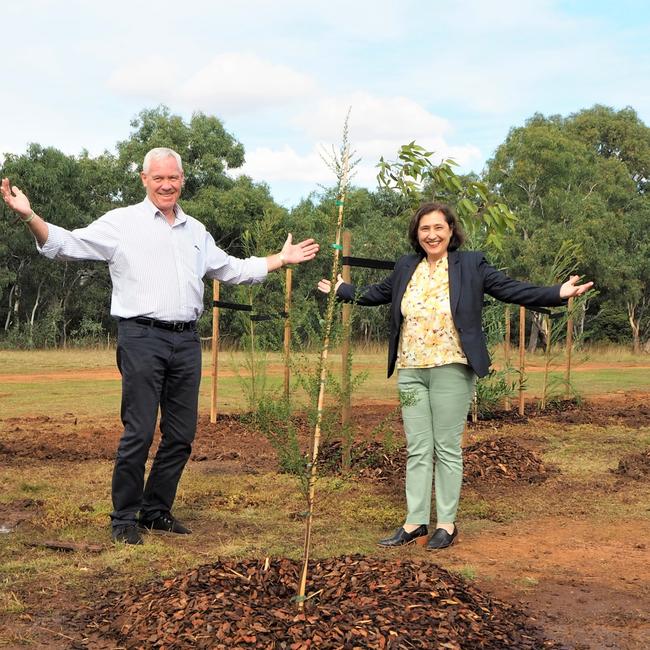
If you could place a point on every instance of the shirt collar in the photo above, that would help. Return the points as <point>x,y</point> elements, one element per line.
<point>441,267</point>
<point>151,209</point>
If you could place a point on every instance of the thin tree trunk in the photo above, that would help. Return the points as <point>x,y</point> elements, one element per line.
<point>635,324</point>
<point>16,308</point>
<point>36,304</point>
<point>537,328</point>
<point>64,303</point>
<point>10,307</point>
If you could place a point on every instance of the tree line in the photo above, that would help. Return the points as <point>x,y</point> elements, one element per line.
<point>580,180</point>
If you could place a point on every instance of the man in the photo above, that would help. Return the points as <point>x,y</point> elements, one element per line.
<point>157,257</point>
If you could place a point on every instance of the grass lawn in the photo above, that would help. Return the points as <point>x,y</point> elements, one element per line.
<point>50,386</point>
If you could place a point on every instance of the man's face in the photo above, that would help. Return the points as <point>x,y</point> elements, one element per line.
<point>163,183</point>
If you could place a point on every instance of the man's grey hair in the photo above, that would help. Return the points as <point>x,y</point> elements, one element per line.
<point>160,153</point>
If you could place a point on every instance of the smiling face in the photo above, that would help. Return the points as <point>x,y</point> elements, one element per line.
<point>163,182</point>
<point>434,235</point>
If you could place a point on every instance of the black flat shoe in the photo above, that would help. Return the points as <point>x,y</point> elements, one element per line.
<point>402,538</point>
<point>442,539</point>
<point>126,534</point>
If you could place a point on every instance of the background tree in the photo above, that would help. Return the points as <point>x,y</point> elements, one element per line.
<point>41,300</point>
<point>583,177</point>
<point>578,178</point>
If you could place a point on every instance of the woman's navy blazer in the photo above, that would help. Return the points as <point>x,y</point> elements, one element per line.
<point>470,277</point>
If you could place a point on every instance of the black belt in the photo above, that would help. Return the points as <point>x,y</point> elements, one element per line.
<point>174,326</point>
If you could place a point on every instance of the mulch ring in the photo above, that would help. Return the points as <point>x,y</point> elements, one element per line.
<point>503,459</point>
<point>353,602</point>
<point>635,466</point>
<point>629,410</point>
<point>623,410</point>
<point>495,460</point>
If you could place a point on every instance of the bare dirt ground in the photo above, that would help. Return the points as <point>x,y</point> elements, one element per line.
<point>585,583</point>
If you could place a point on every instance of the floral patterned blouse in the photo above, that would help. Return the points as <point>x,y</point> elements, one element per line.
<point>428,336</point>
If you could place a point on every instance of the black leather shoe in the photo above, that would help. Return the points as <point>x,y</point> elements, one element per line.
<point>442,539</point>
<point>127,534</point>
<point>164,523</point>
<point>402,538</point>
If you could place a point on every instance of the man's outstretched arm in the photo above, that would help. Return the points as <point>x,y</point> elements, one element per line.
<point>19,203</point>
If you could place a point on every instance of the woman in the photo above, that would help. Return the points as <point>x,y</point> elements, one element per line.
<point>438,346</point>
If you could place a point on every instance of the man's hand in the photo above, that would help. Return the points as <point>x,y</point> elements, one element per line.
<point>19,203</point>
<point>296,253</point>
<point>15,199</point>
<point>570,289</point>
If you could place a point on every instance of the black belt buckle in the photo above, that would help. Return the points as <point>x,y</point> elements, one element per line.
<point>170,326</point>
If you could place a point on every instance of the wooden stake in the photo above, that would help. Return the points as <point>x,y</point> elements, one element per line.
<point>253,367</point>
<point>287,333</point>
<point>346,408</point>
<point>522,356</point>
<point>215,352</point>
<point>569,348</point>
<point>506,353</point>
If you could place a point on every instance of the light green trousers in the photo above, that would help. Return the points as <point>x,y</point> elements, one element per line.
<point>434,402</point>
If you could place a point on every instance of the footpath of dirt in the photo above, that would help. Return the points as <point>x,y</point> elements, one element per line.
<point>589,587</point>
<point>111,373</point>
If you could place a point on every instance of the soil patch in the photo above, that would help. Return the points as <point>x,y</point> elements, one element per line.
<point>586,585</point>
<point>14,513</point>
<point>232,438</point>
<point>635,466</point>
<point>355,602</point>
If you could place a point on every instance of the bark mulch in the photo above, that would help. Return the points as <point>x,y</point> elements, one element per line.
<point>635,466</point>
<point>495,460</point>
<point>503,460</point>
<point>354,602</point>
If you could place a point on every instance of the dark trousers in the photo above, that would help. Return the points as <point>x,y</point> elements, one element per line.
<point>160,369</point>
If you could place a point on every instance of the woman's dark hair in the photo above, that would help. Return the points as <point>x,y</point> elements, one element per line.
<point>457,236</point>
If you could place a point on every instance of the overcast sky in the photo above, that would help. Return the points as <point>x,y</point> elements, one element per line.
<point>281,75</point>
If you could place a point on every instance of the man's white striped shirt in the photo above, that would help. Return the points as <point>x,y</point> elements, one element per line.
<point>157,270</point>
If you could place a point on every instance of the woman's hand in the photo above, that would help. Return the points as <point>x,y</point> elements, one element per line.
<point>326,285</point>
<point>570,289</point>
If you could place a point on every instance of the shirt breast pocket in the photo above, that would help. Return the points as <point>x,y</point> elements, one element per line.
<point>193,258</point>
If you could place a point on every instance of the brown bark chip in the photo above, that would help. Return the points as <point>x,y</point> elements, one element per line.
<point>495,460</point>
<point>503,459</point>
<point>353,602</point>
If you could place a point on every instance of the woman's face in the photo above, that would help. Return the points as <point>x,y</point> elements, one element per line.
<point>434,235</point>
